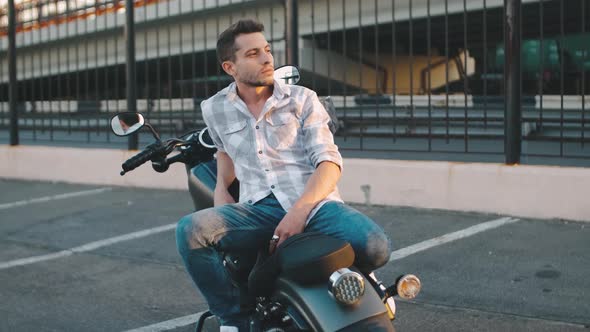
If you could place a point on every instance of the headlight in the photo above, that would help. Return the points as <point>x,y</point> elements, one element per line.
<point>346,286</point>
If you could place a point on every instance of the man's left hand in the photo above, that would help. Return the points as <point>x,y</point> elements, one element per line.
<point>293,223</point>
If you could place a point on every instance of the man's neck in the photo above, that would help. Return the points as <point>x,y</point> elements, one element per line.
<point>253,95</point>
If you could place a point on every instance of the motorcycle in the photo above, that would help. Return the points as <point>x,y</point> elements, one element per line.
<point>310,282</point>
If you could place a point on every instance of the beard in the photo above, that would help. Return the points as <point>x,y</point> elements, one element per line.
<point>255,81</point>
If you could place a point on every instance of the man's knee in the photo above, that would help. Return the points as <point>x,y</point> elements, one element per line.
<point>378,250</point>
<point>198,229</point>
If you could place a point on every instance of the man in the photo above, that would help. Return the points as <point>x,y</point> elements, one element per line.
<point>129,122</point>
<point>275,139</point>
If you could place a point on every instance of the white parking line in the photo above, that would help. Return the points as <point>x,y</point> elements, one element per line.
<point>437,241</point>
<point>87,247</point>
<point>53,198</point>
<point>395,255</point>
<point>169,324</point>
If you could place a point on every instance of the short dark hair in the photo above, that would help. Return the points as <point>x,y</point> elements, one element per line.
<point>129,118</point>
<point>226,48</point>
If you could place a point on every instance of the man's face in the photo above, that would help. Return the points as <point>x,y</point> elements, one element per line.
<point>124,125</point>
<point>254,64</point>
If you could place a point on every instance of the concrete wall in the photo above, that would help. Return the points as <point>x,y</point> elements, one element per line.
<point>525,191</point>
<point>405,68</point>
<point>338,67</point>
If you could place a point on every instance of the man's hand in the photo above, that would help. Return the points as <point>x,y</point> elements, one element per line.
<point>221,197</point>
<point>293,223</point>
<point>321,183</point>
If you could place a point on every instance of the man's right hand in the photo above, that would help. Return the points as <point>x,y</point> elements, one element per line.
<point>221,197</point>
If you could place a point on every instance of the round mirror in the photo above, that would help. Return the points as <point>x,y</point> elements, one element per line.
<point>205,139</point>
<point>126,123</point>
<point>287,74</point>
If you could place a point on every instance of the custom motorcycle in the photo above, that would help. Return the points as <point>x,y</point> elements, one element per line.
<point>310,282</point>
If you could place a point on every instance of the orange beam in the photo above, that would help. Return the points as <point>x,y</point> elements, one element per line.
<point>59,20</point>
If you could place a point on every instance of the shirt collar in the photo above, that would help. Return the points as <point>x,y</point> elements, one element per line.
<point>280,91</point>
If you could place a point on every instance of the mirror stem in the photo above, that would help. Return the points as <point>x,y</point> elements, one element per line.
<point>156,136</point>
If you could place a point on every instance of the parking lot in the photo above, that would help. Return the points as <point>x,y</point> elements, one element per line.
<point>88,258</point>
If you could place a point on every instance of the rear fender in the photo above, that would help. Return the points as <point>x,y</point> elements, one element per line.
<point>321,310</point>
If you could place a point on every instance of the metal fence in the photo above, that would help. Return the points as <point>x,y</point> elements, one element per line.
<point>478,80</point>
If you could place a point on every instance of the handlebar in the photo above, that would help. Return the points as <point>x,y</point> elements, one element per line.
<point>144,156</point>
<point>194,147</point>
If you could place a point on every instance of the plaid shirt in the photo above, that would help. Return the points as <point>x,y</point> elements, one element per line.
<point>278,152</point>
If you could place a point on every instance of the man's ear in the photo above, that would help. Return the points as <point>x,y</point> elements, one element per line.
<point>229,68</point>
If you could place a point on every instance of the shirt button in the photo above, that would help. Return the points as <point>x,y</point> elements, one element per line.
<point>250,201</point>
<point>272,187</point>
<point>257,127</point>
<point>267,170</point>
<point>260,152</point>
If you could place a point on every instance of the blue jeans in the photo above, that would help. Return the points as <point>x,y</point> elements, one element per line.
<point>236,227</point>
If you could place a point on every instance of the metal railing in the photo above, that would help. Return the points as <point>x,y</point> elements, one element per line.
<point>448,79</point>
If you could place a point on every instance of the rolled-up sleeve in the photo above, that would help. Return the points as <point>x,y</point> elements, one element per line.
<point>208,118</point>
<point>317,137</point>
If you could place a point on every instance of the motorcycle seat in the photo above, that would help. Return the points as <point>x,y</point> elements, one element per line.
<point>304,258</point>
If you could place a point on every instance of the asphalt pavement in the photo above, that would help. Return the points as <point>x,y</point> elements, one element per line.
<point>91,258</point>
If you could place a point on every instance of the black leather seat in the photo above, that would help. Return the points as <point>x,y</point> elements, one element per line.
<point>304,258</point>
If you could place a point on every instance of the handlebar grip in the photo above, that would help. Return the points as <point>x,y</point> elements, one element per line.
<point>138,160</point>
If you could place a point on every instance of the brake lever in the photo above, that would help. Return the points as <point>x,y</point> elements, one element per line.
<point>162,163</point>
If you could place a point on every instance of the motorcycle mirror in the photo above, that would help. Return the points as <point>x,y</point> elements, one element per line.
<point>205,139</point>
<point>288,74</point>
<point>127,123</point>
